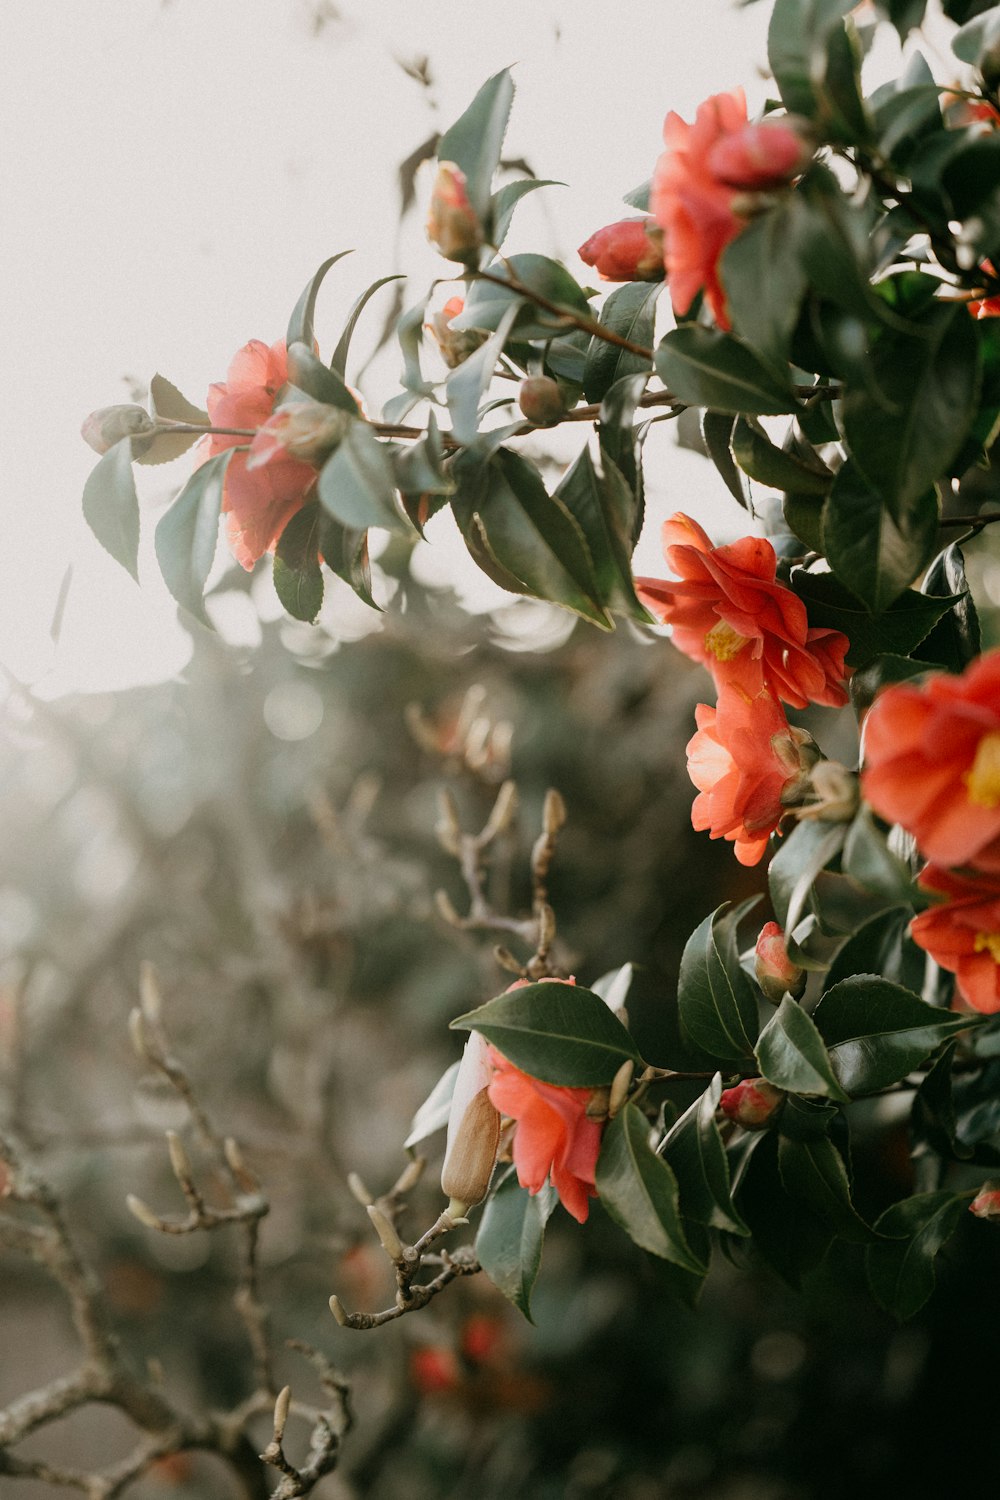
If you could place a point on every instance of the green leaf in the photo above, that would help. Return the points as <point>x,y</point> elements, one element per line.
<point>693,1148</point>
<point>357,484</point>
<point>868,859</point>
<point>559,1033</point>
<point>639,197</point>
<point>784,1232</point>
<point>929,382</point>
<point>344,549</point>
<point>419,466</point>
<point>703,367</point>
<point>798,39</point>
<point>533,541</point>
<point>875,553</point>
<point>813,1173</point>
<point>111,506</point>
<point>165,400</point>
<point>933,1119</point>
<point>312,376</point>
<point>410,333</point>
<point>882,946</point>
<point>621,442</point>
<point>869,681</point>
<point>298,578</point>
<point>506,199</point>
<point>604,508</point>
<point>758,457</point>
<point>338,363</point>
<point>509,1241</point>
<point>876,1032</point>
<point>487,302</point>
<point>718,1007</point>
<point>956,638</point>
<point>977,36</point>
<point>300,324</point>
<point>639,1191</point>
<point>717,432</point>
<point>475,141</point>
<point>807,850</point>
<point>896,631</point>
<point>900,1266</point>
<point>803,515</point>
<point>468,382</point>
<point>433,1113</point>
<point>791,1054</point>
<point>188,533</point>
<point>629,312</point>
<point>765,281</point>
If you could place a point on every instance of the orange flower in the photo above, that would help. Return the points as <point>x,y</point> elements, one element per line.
<point>746,761</point>
<point>260,502</point>
<point>729,612</point>
<point>555,1137</point>
<point>932,758</point>
<point>963,933</point>
<point>625,251</point>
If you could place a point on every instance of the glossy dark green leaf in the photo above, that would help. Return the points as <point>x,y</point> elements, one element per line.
<point>703,367</point>
<point>187,534</point>
<point>882,945</point>
<point>509,1240</point>
<point>875,552</point>
<point>900,1266</point>
<point>560,1033</point>
<point>621,441</point>
<point>770,465</point>
<point>765,280</point>
<point>807,850</point>
<point>867,857</point>
<point>300,324</point>
<point>785,1233</point>
<point>111,506</point>
<point>693,1148</point>
<point>165,400</point>
<point>905,15</point>
<point>298,577</point>
<point>488,301</point>
<point>357,484</point>
<point>876,1032</point>
<point>604,508</point>
<point>956,638</point>
<point>433,1113</point>
<point>506,199</point>
<point>629,312</point>
<point>717,432</point>
<point>312,376</point>
<point>338,363</point>
<point>813,1172</point>
<point>717,1003</point>
<point>933,1120</point>
<point>897,631</point>
<point>468,382</point>
<point>639,1191</point>
<point>475,141</point>
<point>344,549</point>
<point>792,1056</point>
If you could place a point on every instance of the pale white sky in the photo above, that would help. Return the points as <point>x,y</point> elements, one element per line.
<point>171,174</point>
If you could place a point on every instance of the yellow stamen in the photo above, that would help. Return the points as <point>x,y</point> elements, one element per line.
<point>983,780</point>
<point>723,642</point>
<point>988,942</point>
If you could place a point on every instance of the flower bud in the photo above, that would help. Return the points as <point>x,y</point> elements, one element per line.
<point>752,1103</point>
<point>760,157</point>
<point>776,974</point>
<point>986,1203</point>
<point>109,424</point>
<point>456,344</point>
<point>831,793</point>
<point>304,430</point>
<point>452,223</point>
<point>629,250</point>
<point>541,400</point>
<point>470,1151</point>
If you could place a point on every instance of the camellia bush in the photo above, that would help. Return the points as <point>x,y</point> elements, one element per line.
<point>820,286</point>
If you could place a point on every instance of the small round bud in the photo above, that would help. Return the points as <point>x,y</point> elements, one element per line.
<point>776,974</point>
<point>541,401</point>
<point>752,1103</point>
<point>109,424</point>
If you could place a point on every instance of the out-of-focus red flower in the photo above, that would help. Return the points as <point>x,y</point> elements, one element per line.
<point>629,250</point>
<point>306,430</point>
<point>434,1369</point>
<point>776,974</point>
<point>746,761</point>
<point>963,933</point>
<point>760,157</point>
<point>752,1103</point>
<point>452,223</point>
<point>986,307</point>
<point>555,1137</point>
<point>258,503</point>
<point>986,1203</point>
<point>729,612</point>
<point>481,1337</point>
<point>932,763</point>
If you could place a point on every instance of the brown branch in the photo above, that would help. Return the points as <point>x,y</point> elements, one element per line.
<point>566,315</point>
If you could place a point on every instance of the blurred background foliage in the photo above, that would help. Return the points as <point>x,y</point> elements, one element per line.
<point>262,831</point>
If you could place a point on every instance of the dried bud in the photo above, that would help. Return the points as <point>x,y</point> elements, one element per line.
<point>305,430</point>
<point>109,424</point>
<point>620,1086</point>
<point>337,1308</point>
<point>629,250</point>
<point>553,812</point>
<point>541,401</point>
<point>776,974</point>
<point>473,1132</point>
<point>752,1103</point>
<point>986,1203</point>
<point>452,223</point>
<point>760,157</point>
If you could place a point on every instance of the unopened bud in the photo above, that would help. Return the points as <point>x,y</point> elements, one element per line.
<point>337,1308</point>
<point>452,223</point>
<point>456,344</point>
<point>386,1231</point>
<point>503,811</point>
<point>142,1212</point>
<point>305,430</point>
<point>180,1162</point>
<point>358,1190</point>
<point>628,250</point>
<point>752,1103</point>
<point>831,793</point>
<point>281,1406</point>
<point>986,1203</point>
<point>541,400</point>
<point>763,156</point>
<point>553,812</point>
<point>473,1131</point>
<point>777,975</point>
<point>109,424</point>
<point>620,1085</point>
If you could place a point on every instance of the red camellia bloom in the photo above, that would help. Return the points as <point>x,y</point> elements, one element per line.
<point>963,933</point>
<point>555,1137</point>
<point>932,758</point>
<point>745,760</point>
<point>729,612</point>
<point>626,251</point>
<point>259,502</point>
<point>759,157</point>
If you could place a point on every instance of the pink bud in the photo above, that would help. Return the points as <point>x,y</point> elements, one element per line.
<point>541,400</point>
<point>456,344</point>
<point>761,156</point>
<point>452,223</point>
<point>304,430</point>
<point>629,250</point>
<point>751,1103</point>
<point>986,1203</point>
<point>776,974</point>
<point>109,424</point>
